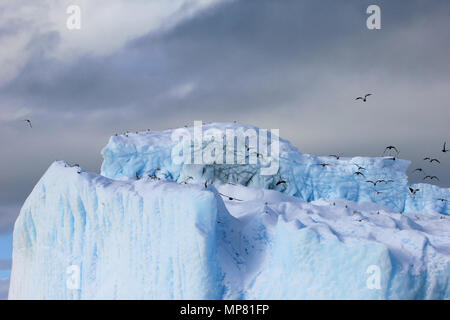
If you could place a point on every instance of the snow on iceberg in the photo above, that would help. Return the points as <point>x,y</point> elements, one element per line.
<point>160,235</point>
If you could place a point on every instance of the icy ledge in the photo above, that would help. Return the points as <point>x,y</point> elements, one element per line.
<point>152,239</point>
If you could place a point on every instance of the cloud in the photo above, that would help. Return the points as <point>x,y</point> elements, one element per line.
<point>106,25</point>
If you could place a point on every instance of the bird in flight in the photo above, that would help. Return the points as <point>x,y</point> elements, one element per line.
<point>359,173</point>
<point>229,198</point>
<point>280,182</point>
<point>335,156</point>
<point>364,99</point>
<point>413,191</point>
<point>359,167</point>
<point>431,178</point>
<point>442,200</point>
<point>443,148</point>
<point>418,170</point>
<point>372,182</point>
<point>385,181</point>
<point>29,122</point>
<point>389,148</point>
<point>434,160</point>
<point>324,164</point>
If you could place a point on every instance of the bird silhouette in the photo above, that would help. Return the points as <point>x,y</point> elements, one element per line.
<point>29,122</point>
<point>230,198</point>
<point>359,173</point>
<point>324,165</point>
<point>389,148</point>
<point>364,99</point>
<point>435,160</point>
<point>431,178</point>
<point>443,148</point>
<point>335,156</point>
<point>442,200</point>
<point>359,167</point>
<point>413,191</point>
<point>419,170</point>
<point>372,182</point>
<point>280,182</point>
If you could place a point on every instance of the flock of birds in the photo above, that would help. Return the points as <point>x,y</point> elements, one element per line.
<point>358,172</point>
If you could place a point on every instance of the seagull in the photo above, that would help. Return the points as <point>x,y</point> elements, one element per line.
<point>229,198</point>
<point>391,148</point>
<point>335,156</point>
<point>364,99</point>
<point>359,173</point>
<point>385,181</point>
<point>372,182</point>
<point>323,164</point>
<point>359,167</point>
<point>442,200</point>
<point>443,148</point>
<point>426,158</point>
<point>280,182</point>
<point>413,191</point>
<point>431,178</point>
<point>29,122</point>
<point>436,160</point>
<point>418,169</point>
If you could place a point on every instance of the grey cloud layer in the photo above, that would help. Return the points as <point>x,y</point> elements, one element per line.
<point>293,65</point>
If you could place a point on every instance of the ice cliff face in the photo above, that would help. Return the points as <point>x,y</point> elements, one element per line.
<point>166,236</point>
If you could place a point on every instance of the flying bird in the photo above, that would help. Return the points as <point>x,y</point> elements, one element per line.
<point>364,99</point>
<point>29,122</point>
<point>372,182</point>
<point>280,182</point>
<point>442,200</point>
<point>418,169</point>
<point>359,167</point>
<point>389,148</point>
<point>443,148</point>
<point>359,173</point>
<point>413,191</point>
<point>335,156</point>
<point>324,164</point>
<point>431,178</point>
<point>436,160</point>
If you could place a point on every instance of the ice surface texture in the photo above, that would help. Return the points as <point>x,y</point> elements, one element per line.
<point>163,239</point>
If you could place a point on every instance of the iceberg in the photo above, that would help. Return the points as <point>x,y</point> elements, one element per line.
<point>146,228</point>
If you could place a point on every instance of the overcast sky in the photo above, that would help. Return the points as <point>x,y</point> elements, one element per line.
<point>292,65</point>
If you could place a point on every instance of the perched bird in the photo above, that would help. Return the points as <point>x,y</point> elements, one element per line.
<point>29,122</point>
<point>431,178</point>
<point>364,99</point>
<point>359,173</point>
<point>229,198</point>
<point>280,182</point>
<point>443,148</point>
<point>335,156</point>
<point>413,191</point>
<point>390,148</point>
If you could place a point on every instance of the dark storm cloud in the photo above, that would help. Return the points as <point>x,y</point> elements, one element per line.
<point>293,65</point>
